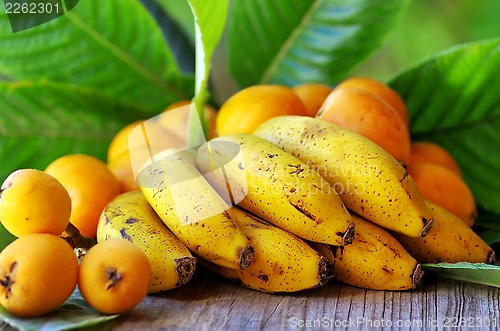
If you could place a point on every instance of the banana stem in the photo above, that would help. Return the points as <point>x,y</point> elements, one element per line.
<point>73,236</point>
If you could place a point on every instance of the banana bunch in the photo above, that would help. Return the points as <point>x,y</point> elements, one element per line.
<point>282,261</point>
<point>282,209</point>
<point>368,179</point>
<point>396,229</point>
<point>276,186</point>
<point>374,260</point>
<point>129,216</point>
<point>193,210</point>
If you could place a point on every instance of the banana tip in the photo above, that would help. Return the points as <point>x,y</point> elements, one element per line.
<point>326,271</point>
<point>417,275</point>
<point>426,229</point>
<point>491,257</point>
<point>246,257</point>
<point>348,236</point>
<point>185,268</point>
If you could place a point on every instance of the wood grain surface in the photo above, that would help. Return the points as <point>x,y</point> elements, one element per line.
<point>212,303</point>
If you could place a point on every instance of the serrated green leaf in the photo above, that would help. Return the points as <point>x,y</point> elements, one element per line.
<point>42,121</point>
<point>74,313</point>
<point>114,46</point>
<point>452,99</point>
<point>479,273</point>
<point>295,41</point>
<point>210,19</point>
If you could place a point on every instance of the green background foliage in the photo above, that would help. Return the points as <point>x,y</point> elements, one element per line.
<point>429,26</point>
<point>69,85</point>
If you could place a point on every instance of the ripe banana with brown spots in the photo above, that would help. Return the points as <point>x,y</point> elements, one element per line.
<point>193,210</point>
<point>129,216</point>
<point>276,186</point>
<point>374,260</point>
<point>449,240</point>
<point>368,179</point>
<point>282,261</point>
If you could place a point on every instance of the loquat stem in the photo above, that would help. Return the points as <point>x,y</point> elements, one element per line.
<point>73,236</point>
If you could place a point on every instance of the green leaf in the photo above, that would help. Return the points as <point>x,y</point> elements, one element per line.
<point>491,237</point>
<point>210,19</point>
<point>114,46</point>
<point>479,273</point>
<point>5,237</point>
<point>487,226</point>
<point>452,99</point>
<point>182,46</point>
<point>42,121</point>
<point>295,41</point>
<point>180,12</point>
<point>74,313</point>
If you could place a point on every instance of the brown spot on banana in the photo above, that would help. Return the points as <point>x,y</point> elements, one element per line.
<point>263,278</point>
<point>297,169</point>
<point>125,235</point>
<point>131,220</point>
<point>305,212</point>
<point>106,219</point>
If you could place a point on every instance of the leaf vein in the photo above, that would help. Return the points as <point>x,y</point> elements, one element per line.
<point>290,42</point>
<point>121,55</point>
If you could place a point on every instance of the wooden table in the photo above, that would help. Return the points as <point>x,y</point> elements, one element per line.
<point>212,303</point>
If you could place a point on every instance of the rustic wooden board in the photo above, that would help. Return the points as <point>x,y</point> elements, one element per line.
<point>212,303</point>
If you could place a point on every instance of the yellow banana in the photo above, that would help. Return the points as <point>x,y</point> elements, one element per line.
<point>129,216</point>
<point>275,185</point>
<point>374,260</point>
<point>449,240</point>
<point>193,210</point>
<point>368,179</point>
<point>282,261</point>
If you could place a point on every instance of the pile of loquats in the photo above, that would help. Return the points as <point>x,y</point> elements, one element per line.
<point>47,210</point>
<point>55,211</point>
